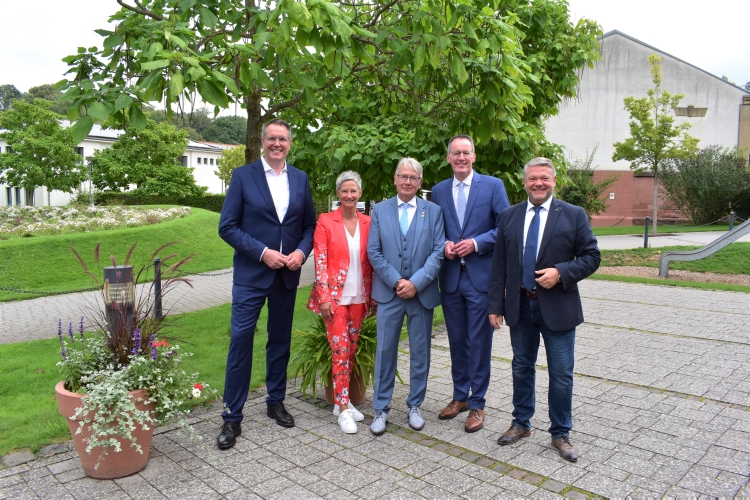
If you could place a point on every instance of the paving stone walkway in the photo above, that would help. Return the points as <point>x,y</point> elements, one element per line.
<point>661,408</point>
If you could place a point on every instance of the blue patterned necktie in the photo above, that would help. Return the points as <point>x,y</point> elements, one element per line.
<point>528,276</point>
<point>404,220</point>
<point>461,204</point>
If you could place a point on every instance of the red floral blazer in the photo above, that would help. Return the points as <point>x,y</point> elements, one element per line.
<point>332,260</point>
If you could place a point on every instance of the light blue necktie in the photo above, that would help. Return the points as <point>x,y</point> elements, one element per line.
<point>528,276</point>
<point>461,204</point>
<point>404,220</point>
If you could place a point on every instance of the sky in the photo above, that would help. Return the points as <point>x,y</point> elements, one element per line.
<point>713,35</point>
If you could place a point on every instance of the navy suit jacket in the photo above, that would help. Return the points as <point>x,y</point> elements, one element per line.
<point>487,198</point>
<point>567,244</point>
<point>249,223</point>
<point>384,250</point>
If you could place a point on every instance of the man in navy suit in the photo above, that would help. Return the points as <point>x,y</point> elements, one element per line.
<point>544,248</point>
<point>269,219</point>
<point>471,206</point>
<point>405,248</point>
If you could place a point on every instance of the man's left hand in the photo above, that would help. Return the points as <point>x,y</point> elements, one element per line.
<point>294,260</point>
<point>406,289</point>
<point>464,247</point>
<point>549,277</point>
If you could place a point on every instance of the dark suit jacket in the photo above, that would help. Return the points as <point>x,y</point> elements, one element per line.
<point>567,244</point>
<point>487,198</point>
<point>249,223</point>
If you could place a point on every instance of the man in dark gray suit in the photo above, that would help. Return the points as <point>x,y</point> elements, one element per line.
<point>544,248</point>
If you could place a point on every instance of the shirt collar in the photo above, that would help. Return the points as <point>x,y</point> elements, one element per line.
<point>412,202</point>
<point>466,181</point>
<point>267,167</point>
<point>544,205</point>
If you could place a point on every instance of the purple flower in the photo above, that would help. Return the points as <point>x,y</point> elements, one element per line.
<point>80,328</point>
<point>70,332</point>
<point>64,353</point>
<point>59,329</point>
<point>153,347</point>
<point>136,342</point>
<point>171,353</point>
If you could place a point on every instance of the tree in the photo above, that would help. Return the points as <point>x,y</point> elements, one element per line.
<point>43,152</point>
<point>227,130</point>
<point>8,93</point>
<point>231,158</point>
<point>47,92</point>
<point>706,186</point>
<point>147,159</point>
<point>654,137</point>
<point>581,190</point>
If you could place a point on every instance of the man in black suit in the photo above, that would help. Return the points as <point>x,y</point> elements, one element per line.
<point>544,248</point>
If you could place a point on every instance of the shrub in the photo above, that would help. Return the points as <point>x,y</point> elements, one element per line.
<point>704,186</point>
<point>582,191</point>
<point>212,202</point>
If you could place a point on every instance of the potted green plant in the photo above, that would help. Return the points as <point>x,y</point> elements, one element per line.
<point>312,360</point>
<point>124,378</point>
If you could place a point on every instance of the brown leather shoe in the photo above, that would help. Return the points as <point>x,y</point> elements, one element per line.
<point>453,409</point>
<point>565,449</point>
<point>512,435</point>
<point>474,421</point>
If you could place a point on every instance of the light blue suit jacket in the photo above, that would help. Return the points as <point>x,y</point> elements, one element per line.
<point>384,250</point>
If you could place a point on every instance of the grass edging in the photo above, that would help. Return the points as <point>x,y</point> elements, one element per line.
<point>667,282</point>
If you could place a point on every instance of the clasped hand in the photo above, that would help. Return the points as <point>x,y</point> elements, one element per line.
<point>277,260</point>
<point>460,249</point>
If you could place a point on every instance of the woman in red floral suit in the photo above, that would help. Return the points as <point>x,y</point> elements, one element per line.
<point>341,292</point>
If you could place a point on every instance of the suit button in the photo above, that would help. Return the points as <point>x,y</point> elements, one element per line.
<point>399,255</point>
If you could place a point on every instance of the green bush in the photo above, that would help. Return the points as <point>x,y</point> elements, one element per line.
<point>212,202</point>
<point>704,186</point>
<point>581,190</point>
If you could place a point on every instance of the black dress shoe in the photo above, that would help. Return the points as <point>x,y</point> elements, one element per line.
<point>279,413</point>
<point>229,434</point>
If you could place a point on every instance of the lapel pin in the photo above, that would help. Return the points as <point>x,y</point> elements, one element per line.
<point>423,215</point>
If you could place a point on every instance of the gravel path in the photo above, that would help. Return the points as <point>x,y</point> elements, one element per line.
<point>653,272</point>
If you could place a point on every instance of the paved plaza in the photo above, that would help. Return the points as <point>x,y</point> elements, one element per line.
<point>661,407</point>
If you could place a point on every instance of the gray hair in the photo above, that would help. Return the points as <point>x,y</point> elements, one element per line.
<point>461,136</point>
<point>277,121</point>
<point>410,163</point>
<point>539,161</point>
<point>349,175</point>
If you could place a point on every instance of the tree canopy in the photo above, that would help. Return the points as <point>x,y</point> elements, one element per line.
<point>227,130</point>
<point>8,93</point>
<point>147,159</point>
<point>654,136</point>
<point>231,158</point>
<point>47,92</point>
<point>43,152</point>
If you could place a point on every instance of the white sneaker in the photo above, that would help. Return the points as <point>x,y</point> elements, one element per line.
<point>347,423</point>
<point>358,417</point>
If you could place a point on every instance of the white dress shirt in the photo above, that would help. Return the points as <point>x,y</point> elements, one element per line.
<point>354,288</point>
<point>543,213</point>
<point>278,184</point>
<point>411,207</point>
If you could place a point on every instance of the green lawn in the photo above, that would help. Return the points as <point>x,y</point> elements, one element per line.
<point>733,259</point>
<point>28,373</point>
<point>45,263</point>
<point>661,228</point>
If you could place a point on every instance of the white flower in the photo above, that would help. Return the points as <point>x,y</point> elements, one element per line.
<point>196,392</point>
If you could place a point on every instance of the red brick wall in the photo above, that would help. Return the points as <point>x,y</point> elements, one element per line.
<point>633,201</point>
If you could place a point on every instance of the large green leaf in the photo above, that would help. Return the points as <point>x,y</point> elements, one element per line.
<point>81,128</point>
<point>152,65</point>
<point>123,100</point>
<point>299,14</point>
<point>176,84</point>
<point>137,118</point>
<point>98,111</point>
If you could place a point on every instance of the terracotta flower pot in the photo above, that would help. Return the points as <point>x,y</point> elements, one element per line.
<point>115,464</point>
<point>357,392</point>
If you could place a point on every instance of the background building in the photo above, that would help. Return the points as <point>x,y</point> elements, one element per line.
<point>718,111</point>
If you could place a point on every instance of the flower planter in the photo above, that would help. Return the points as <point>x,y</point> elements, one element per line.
<point>357,392</point>
<point>114,464</point>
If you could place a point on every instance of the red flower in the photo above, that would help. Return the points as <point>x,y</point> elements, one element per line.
<point>160,343</point>
<point>198,386</point>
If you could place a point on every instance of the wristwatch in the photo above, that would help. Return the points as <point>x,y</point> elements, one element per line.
<point>395,286</point>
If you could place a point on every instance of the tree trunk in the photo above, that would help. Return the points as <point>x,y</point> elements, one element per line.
<point>254,126</point>
<point>656,200</point>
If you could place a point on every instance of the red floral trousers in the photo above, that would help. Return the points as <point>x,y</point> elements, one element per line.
<point>343,334</point>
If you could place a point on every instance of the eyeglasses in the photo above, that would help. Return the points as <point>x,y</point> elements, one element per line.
<point>410,178</point>
<point>456,154</point>
<point>282,140</point>
<point>543,179</point>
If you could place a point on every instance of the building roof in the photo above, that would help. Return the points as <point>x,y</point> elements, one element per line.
<point>625,35</point>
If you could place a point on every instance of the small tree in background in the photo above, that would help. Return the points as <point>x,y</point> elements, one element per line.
<point>581,190</point>
<point>704,186</point>
<point>147,159</point>
<point>43,151</point>
<point>48,92</point>
<point>654,137</point>
<point>8,93</point>
<point>231,158</point>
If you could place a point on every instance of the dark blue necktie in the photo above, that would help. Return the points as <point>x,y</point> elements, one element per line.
<point>528,276</point>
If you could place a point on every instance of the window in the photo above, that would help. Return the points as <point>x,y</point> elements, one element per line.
<point>30,197</point>
<point>9,192</point>
<point>79,152</point>
<point>8,149</point>
<point>212,161</point>
<point>690,111</point>
<point>18,197</point>
<point>199,160</point>
<point>183,161</point>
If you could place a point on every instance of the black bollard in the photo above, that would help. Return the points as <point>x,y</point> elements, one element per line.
<point>157,288</point>
<point>645,234</point>
<point>731,220</point>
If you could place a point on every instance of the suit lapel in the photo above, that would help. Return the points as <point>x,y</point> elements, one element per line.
<point>259,175</point>
<point>473,195</point>
<point>293,195</point>
<point>393,209</point>
<point>451,204</point>
<point>520,221</point>
<point>364,229</point>
<point>549,227</point>
<point>419,221</point>
<point>340,228</point>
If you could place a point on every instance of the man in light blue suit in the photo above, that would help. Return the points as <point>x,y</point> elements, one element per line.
<point>405,248</point>
<point>471,206</point>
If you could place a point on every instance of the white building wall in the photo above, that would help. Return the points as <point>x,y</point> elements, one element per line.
<point>598,115</point>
